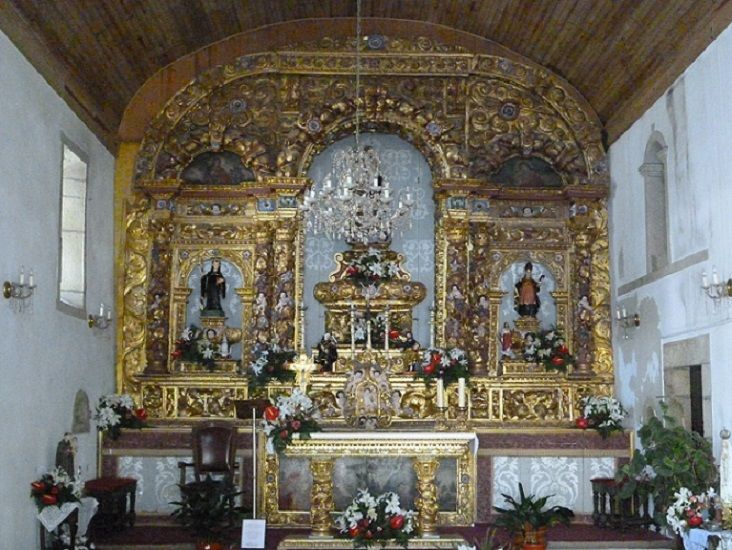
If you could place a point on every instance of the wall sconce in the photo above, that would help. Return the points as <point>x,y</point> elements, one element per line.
<point>716,290</point>
<point>627,321</point>
<point>20,293</point>
<point>102,320</point>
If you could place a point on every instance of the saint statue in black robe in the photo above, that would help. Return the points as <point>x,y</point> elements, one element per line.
<point>213,290</point>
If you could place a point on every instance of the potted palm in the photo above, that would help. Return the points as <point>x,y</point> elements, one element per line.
<point>528,518</point>
<point>206,508</point>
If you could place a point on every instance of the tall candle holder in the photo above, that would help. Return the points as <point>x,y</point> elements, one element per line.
<point>20,293</point>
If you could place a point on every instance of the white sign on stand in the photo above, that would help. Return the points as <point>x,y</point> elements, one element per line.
<point>253,533</point>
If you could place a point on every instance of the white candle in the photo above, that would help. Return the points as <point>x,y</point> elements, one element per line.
<point>22,275</point>
<point>368,334</point>
<point>705,281</point>
<point>440,393</point>
<point>715,276</point>
<point>617,313</point>
<point>432,326</point>
<point>109,314</point>
<point>625,313</point>
<point>353,331</point>
<point>31,278</point>
<point>461,393</point>
<point>101,309</point>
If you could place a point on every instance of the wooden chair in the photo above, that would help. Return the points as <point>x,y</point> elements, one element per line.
<point>214,449</point>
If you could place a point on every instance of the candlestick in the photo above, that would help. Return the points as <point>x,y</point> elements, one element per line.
<point>368,334</point>
<point>386,329</point>
<point>461,393</point>
<point>21,278</point>
<point>101,309</point>
<point>617,314</point>
<point>440,394</point>
<point>353,331</point>
<point>715,276</point>
<point>109,314</point>
<point>31,279</point>
<point>705,280</point>
<point>254,463</point>
<point>625,313</point>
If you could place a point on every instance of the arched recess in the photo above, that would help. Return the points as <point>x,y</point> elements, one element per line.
<point>655,192</point>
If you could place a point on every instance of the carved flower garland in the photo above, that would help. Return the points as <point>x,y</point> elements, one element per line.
<point>376,519</point>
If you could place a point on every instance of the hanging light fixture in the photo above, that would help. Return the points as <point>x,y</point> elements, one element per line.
<point>355,201</point>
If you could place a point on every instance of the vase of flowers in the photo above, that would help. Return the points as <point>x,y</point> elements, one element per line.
<point>117,411</point>
<point>604,414</point>
<point>689,510</point>
<point>380,519</point>
<point>370,268</point>
<point>55,489</point>
<point>550,349</point>
<point>291,415</point>
<point>195,347</point>
<point>448,364</point>
<point>271,364</point>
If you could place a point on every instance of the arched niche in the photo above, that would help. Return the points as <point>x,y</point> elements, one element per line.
<point>547,314</point>
<point>403,165</point>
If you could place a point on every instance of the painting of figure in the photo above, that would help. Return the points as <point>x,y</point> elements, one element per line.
<point>216,168</point>
<point>527,172</point>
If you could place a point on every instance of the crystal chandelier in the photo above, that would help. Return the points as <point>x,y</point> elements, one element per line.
<point>355,201</point>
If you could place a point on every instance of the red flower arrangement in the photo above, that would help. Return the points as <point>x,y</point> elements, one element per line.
<point>551,350</point>
<point>293,414</point>
<point>54,489</point>
<point>450,365</point>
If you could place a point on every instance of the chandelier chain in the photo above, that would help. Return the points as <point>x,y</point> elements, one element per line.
<point>358,65</point>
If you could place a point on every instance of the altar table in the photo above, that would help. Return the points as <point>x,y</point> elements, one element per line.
<point>417,454</point>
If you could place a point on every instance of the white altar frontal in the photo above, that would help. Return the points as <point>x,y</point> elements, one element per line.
<point>434,473</point>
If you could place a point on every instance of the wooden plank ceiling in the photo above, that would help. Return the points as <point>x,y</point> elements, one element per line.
<point>620,54</point>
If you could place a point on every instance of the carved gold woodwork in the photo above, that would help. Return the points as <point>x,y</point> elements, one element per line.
<point>426,501</point>
<point>321,499</point>
<point>321,454</point>
<point>467,114</point>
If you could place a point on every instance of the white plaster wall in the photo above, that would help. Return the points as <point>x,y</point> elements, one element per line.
<point>46,355</point>
<point>695,118</point>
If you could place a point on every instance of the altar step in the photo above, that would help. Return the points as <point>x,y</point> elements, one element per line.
<point>159,533</point>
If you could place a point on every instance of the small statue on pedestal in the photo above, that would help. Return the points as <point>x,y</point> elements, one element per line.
<point>213,290</point>
<point>327,352</point>
<point>526,293</point>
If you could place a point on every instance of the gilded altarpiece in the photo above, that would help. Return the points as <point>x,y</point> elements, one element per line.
<point>519,175</point>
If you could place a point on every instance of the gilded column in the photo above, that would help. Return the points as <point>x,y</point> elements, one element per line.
<point>283,291</point>
<point>321,501</point>
<point>426,501</point>
<point>263,306</point>
<point>457,272</point>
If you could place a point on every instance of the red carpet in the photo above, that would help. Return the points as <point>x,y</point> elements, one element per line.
<point>161,532</point>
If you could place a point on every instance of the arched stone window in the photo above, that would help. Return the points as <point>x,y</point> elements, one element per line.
<point>653,170</point>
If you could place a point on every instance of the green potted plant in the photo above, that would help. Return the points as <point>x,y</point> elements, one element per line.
<point>672,457</point>
<point>528,519</point>
<point>207,508</point>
